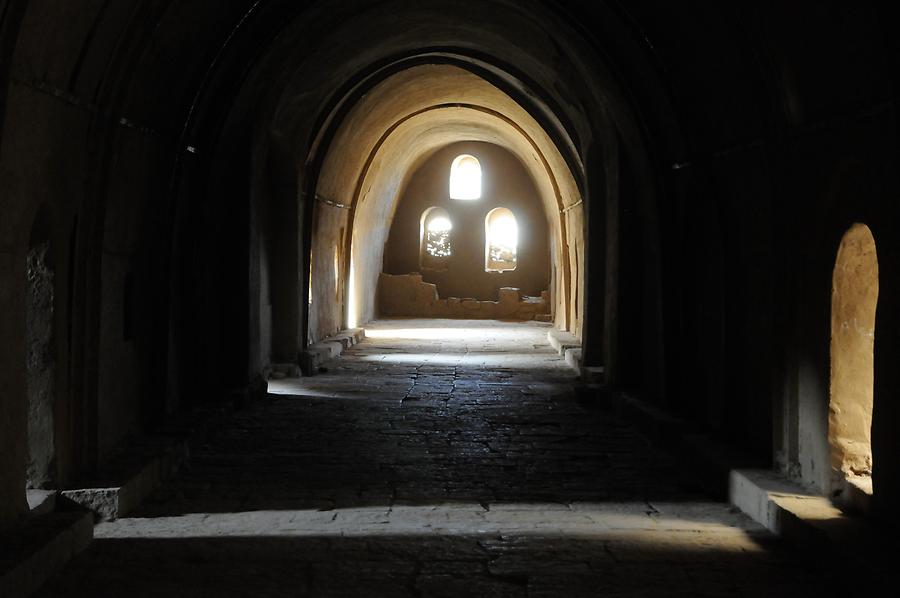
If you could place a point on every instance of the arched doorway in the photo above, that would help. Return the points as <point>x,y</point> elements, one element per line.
<point>854,297</point>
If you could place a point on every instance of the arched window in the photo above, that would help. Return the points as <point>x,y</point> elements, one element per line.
<point>501,234</point>
<point>435,245</point>
<point>854,297</point>
<point>465,178</point>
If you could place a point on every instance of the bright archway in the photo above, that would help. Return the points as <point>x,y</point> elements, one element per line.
<point>854,298</point>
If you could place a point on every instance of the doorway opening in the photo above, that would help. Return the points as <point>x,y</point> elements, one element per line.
<point>854,298</point>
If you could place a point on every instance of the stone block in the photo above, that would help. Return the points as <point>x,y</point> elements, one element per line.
<point>510,295</point>
<point>426,292</point>
<point>441,309</point>
<point>279,371</point>
<point>471,305</point>
<point>407,295</point>
<point>313,358</point>
<point>525,312</point>
<point>574,359</point>
<point>41,502</point>
<point>562,340</point>
<point>489,310</point>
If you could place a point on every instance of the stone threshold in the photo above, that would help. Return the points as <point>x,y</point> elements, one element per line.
<point>562,340</point>
<point>130,475</point>
<point>806,520</point>
<point>814,524</point>
<point>38,548</point>
<point>320,353</point>
<point>569,347</point>
<point>60,524</point>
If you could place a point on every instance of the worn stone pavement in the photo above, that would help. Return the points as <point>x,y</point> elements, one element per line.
<point>437,458</point>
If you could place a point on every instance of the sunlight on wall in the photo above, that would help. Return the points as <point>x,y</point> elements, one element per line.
<point>853,304</point>
<point>502,241</point>
<point>352,300</point>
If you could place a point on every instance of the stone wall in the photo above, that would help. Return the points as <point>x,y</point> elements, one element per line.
<point>406,295</point>
<point>506,184</point>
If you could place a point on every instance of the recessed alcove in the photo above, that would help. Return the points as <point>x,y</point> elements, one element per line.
<point>500,235</point>
<point>854,299</point>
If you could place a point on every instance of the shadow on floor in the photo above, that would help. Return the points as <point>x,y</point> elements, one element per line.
<point>451,566</point>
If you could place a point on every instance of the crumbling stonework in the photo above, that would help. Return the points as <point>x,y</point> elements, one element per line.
<point>407,295</point>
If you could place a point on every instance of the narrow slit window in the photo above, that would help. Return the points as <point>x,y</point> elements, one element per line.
<point>465,178</point>
<point>436,245</point>
<point>501,241</point>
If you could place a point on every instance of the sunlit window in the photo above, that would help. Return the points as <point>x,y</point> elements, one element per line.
<point>465,178</point>
<point>435,239</point>
<point>501,240</point>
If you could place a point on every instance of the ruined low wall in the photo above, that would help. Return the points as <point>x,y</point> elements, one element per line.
<point>406,295</point>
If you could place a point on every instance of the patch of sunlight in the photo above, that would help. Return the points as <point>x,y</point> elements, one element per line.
<point>425,333</point>
<point>462,518</point>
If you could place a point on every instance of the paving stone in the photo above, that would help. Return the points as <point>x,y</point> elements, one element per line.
<point>434,458</point>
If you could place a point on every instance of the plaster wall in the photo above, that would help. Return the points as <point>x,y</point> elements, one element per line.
<point>505,183</point>
<point>327,271</point>
<point>740,116</point>
<point>399,125</point>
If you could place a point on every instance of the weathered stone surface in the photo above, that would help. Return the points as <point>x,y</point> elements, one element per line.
<point>562,340</point>
<point>407,296</point>
<point>436,458</point>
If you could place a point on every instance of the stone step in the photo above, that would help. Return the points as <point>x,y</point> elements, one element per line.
<point>812,523</point>
<point>561,340</point>
<point>41,502</point>
<point>318,354</point>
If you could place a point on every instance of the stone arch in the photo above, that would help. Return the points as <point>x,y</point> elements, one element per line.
<point>854,299</point>
<point>419,126</point>
<point>285,86</point>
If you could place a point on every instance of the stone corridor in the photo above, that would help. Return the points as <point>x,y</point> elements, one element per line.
<point>436,458</point>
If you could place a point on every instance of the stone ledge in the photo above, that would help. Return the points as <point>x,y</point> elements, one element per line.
<point>812,523</point>
<point>593,374</point>
<point>562,340</point>
<point>573,359</point>
<point>279,371</point>
<point>132,474</point>
<point>39,547</point>
<point>318,354</point>
<point>407,295</point>
<point>41,502</point>
<point>129,478</point>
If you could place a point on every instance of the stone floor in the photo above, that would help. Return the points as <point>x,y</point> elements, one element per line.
<point>437,458</point>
